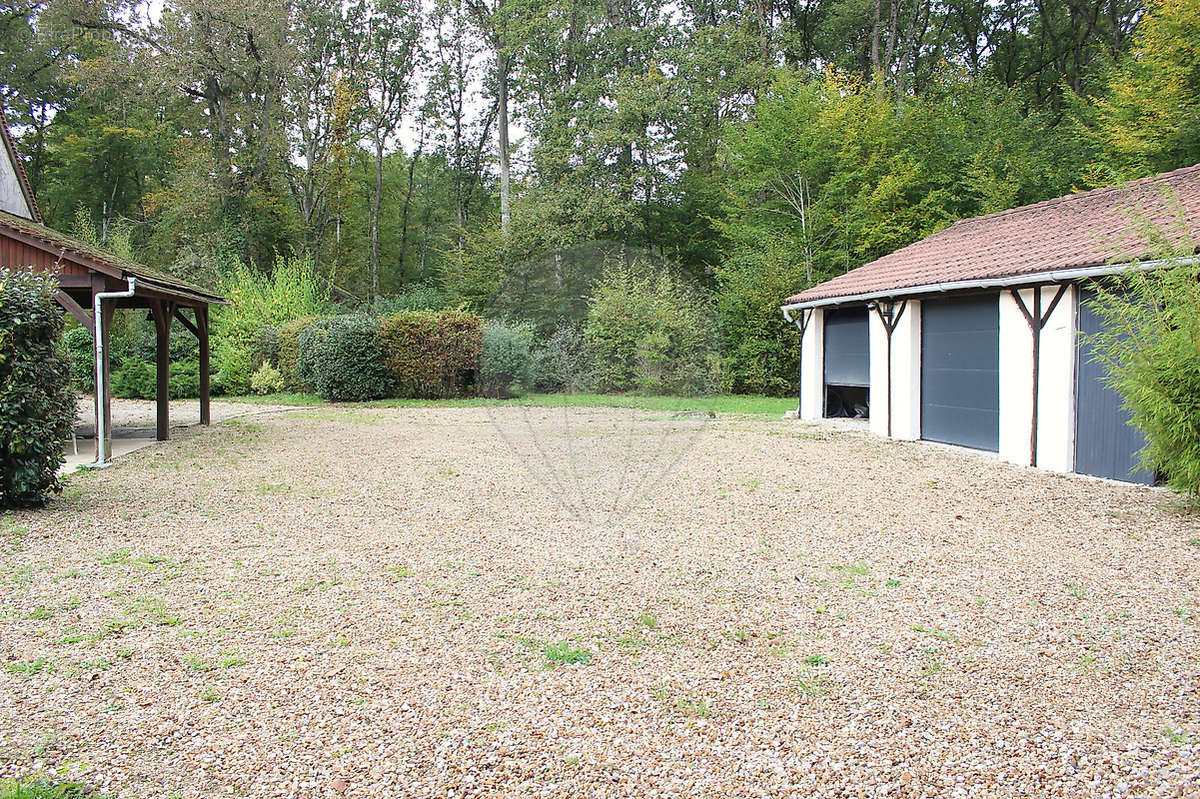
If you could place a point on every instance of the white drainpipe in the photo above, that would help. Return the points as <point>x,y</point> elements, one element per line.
<point>101,388</point>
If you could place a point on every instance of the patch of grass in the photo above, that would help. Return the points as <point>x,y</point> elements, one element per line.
<point>649,621</point>
<point>209,695</point>
<point>563,653</point>
<point>29,668</point>
<point>41,789</point>
<point>232,660</point>
<point>1177,736</point>
<point>113,558</point>
<point>817,659</point>
<point>286,398</point>
<point>193,663</point>
<point>891,582</point>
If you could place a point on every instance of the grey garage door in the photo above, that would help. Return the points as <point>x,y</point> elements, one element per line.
<point>1106,444</point>
<point>960,371</point>
<point>847,348</point>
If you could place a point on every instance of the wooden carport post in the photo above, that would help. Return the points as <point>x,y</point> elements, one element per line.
<point>163,311</point>
<point>202,334</point>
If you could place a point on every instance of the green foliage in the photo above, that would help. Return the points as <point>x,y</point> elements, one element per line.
<point>342,359</point>
<point>184,379</point>
<point>289,353</point>
<point>650,333</point>
<point>265,348</point>
<point>431,353</point>
<point>37,404</point>
<point>506,366</point>
<point>78,345</point>
<point>421,297</point>
<point>291,290</point>
<point>563,362</point>
<point>135,380</point>
<point>1151,348</point>
<point>40,789</point>
<point>233,364</point>
<point>1150,116</point>
<point>266,380</point>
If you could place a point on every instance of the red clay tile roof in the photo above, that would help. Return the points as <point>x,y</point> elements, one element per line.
<point>1092,228</point>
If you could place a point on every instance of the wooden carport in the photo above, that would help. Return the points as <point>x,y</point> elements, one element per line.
<point>84,271</point>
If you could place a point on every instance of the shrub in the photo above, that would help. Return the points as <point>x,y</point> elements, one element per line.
<point>37,404</point>
<point>256,299</point>
<point>650,333</point>
<point>184,381</point>
<point>266,380</point>
<point>1150,348</point>
<point>563,363</point>
<point>78,346</point>
<point>265,348</point>
<point>341,358</point>
<point>233,365</point>
<point>289,353</point>
<point>431,354</point>
<point>421,297</point>
<point>505,368</point>
<point>135,380</point>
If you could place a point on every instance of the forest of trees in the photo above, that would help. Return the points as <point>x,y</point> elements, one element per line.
<point>474,147</point>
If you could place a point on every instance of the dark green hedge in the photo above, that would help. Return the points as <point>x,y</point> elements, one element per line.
<point>37,402</point>
<point>340,357</point>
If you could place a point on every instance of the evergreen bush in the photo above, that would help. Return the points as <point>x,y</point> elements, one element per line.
<point>37,402</point>
<point>341,358</point>
<point>135,380</point>
<point>289,353</point>
<point>265,348</point>
<point>77,344</point>
<point>266,380</point>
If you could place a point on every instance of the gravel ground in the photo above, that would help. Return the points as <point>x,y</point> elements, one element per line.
<point>144,413</point>
<point>388,603</point>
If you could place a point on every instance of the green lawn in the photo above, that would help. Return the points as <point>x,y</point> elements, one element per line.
<point>728,403</point>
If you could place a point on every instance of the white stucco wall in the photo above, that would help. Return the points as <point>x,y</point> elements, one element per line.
<point>812,367</point>
<point>11,198</point>
<point>905,378</point>
<point>1056,407</point>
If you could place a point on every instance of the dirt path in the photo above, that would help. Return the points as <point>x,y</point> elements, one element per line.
<point>524,602</point>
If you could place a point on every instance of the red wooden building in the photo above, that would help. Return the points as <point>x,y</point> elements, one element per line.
<point>85,273</point>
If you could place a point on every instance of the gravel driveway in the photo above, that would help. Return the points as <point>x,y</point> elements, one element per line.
<point>593,603</point>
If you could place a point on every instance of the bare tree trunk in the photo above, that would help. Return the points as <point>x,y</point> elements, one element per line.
<point>502,124</point>
<point>376,201</point>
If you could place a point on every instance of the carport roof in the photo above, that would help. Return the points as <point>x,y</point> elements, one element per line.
<point>1115,224</point>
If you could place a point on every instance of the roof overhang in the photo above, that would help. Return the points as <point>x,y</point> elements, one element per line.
<point>1009,281</point>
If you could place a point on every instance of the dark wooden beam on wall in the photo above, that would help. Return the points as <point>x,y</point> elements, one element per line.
<point>162,312</point>
<point>72,307</point>
<point>890,317</point>
<point>1036,320</point>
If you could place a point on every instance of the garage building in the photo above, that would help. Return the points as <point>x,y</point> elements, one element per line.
<point>972,336</point>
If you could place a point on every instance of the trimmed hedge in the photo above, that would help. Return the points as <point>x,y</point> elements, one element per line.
<point>37,400</point>
<point>431,354</point>
<point>341,358</point>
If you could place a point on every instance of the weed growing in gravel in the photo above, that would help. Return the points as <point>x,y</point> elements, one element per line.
<point>209,695</point>
<point>231,660</point>
<point>113,558</point>
<point>563,653</point>
<point>39,789</point>
<point>1177,736</point>
<point>935,632</point>
<point>686,704</point>
<point>631,643</point>
<point>1077,591</point>
<point>817,660</point>
<point>892,582</point>
<point>1194,542</point>
<point>12,535</point>
<point>193,663</point>
<point>29,668</point>
<point>648,620</point>
<point>400,572</point>
<point>739,635</point>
